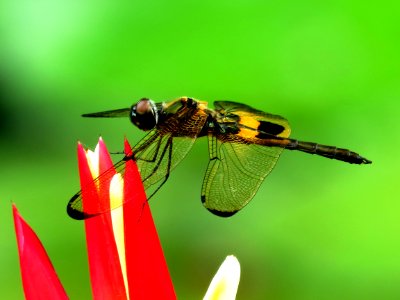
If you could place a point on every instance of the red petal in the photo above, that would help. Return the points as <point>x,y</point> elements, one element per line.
<point>148,275</point>
<point>105,271</point>
<point>39,278</point>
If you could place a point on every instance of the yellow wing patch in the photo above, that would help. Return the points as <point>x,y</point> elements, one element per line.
<point>255,125</point>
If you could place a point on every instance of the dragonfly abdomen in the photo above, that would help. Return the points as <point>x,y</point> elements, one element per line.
<point>328,151</point>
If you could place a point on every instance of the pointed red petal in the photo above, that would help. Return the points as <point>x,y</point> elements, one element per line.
<point>105,271</point>
<point>148,275</point>
<point>39,278</point>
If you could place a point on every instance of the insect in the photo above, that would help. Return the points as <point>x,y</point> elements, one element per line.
<point>244,146</point>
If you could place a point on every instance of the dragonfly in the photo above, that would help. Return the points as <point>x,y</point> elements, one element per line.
<point>244,145</point>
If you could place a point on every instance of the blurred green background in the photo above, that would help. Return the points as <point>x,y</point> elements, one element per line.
<point>317,229</point>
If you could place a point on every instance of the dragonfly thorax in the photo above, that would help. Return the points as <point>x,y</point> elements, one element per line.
<point>144,114</point>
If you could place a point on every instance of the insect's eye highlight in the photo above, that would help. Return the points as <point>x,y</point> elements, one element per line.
<point>143,106</point>
<point>144,114</point>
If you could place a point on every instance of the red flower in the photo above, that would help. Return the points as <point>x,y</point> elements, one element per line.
<point>39,278</point>
<point>125,255</point>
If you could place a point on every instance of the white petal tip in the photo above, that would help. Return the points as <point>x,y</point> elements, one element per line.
<point>225,283</point>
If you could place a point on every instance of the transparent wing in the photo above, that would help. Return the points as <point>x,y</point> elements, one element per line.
<point>243,109</point>
<point>240,157</point>
<point>234,174</point>
<point>156,155</point>
<point>117,113</point>
<point>157,159</point>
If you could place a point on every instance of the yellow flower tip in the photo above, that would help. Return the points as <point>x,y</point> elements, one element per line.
<point>225,283</point>
<point>93,158</point>
<point>117,217</point>
<point>116,190</point>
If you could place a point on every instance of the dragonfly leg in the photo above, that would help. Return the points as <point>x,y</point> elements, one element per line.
<point>169,145</point>
<point>158,163</point>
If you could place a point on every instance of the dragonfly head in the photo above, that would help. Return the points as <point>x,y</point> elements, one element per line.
<point>144,114</point>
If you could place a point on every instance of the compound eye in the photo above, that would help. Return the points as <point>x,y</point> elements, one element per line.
<point>144,114</point>
<point>143,107</point>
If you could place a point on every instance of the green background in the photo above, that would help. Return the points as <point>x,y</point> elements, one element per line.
<point>317,229</point>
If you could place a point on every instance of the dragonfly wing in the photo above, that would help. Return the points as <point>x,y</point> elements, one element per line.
<point>252,120</point>
<point>94,190</point>
<point>158,155</point>
<point>117,113</point>
<point>239,162</point>
<point>234,174</point>
<point>235,107</point>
